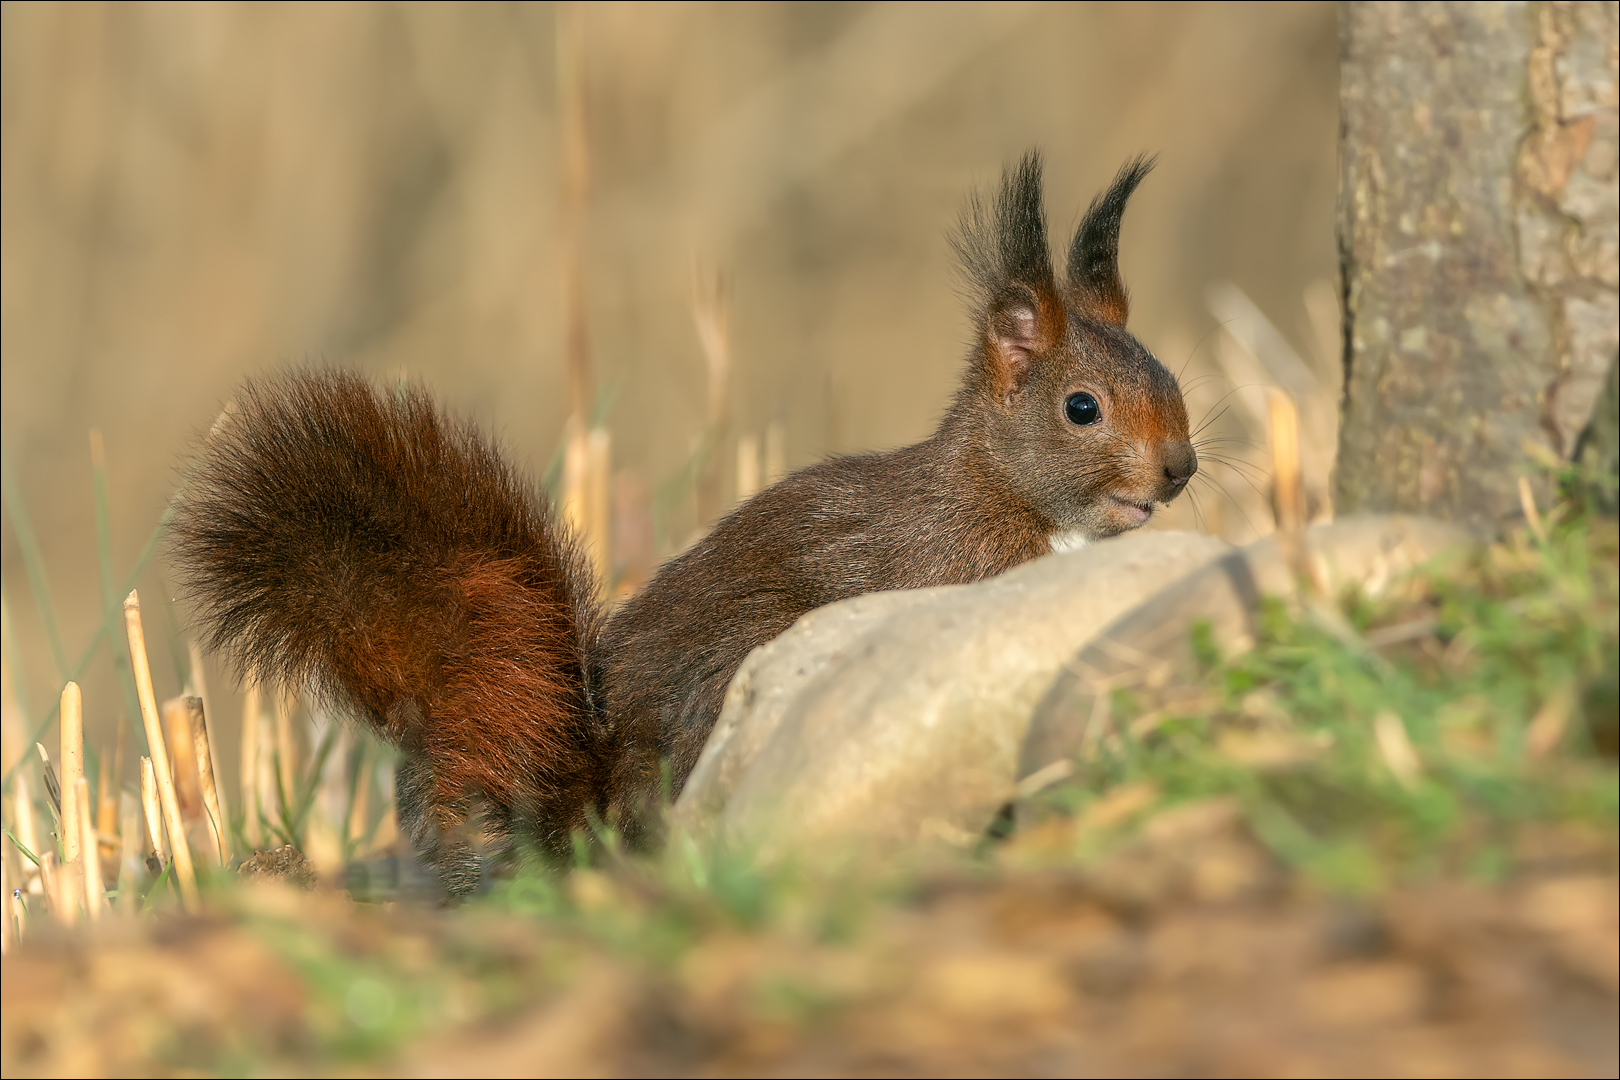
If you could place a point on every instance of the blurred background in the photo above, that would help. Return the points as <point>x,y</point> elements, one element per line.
<point>713,234</point>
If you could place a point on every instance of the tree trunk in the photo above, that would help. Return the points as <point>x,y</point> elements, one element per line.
<point>1478,241</point>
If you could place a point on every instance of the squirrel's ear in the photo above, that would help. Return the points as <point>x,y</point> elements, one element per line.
<point>1024,323</point>
<point>1009,267</point>
<point>1094,283</point>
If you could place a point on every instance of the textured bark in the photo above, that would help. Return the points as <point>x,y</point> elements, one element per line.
<point>1478,237</point>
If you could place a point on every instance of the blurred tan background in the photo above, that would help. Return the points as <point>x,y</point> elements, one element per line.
<point>193,193</point>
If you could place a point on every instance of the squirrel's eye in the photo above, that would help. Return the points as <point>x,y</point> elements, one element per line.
<point>1082,409</point>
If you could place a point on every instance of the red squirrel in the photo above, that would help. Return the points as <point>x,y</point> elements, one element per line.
<point>363,542</point>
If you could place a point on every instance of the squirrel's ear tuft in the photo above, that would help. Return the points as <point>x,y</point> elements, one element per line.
<point>1008,267</point>
<point>1094,283</point>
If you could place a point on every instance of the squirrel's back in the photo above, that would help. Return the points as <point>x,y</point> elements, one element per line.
<point>845,527</point>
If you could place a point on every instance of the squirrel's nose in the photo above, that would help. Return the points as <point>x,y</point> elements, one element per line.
<point>1180,462</point>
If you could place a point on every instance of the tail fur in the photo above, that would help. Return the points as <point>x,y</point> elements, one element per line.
<point>360,541</point>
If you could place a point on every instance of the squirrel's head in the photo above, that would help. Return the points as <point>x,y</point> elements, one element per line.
<point>1082,420</point>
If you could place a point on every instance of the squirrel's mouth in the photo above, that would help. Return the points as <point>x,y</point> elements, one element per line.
<point>1135,511</point>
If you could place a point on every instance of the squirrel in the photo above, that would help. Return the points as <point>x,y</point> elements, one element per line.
<point>364,542</point>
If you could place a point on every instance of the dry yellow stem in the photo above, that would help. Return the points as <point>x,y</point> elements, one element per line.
<point>1547,729</point>
<point>250,762</point>
<point>360,808</point>
<point>63,902</point>
<point>199,686</point>
<point>1532,515</point>
<point>149,806</point>
<point>747,467</point>
<point>1288,498</point>
<point>22,812</point>
<point>168,801</point>
<point>90,857</point>
<point>182,757</point>
<point>130,851</point>
<point>212,808</point>
<point>5,896</point>
<point>286,754</point>
<point>72,768</point>
<point>106,809</point>
<point>775,452</point>
<point>1397,749</point>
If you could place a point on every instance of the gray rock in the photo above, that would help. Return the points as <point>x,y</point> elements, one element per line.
<point>896,718</point>
<point>770,680</point>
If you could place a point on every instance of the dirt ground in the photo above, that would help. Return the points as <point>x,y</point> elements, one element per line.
<point>1189,953</point>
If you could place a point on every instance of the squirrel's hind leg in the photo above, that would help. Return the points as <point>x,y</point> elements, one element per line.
<point>464,842</point>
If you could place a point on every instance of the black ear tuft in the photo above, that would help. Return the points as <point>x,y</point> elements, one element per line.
<point>1008,267</point>
<point>1005,244</point>
<point>1094,255</point>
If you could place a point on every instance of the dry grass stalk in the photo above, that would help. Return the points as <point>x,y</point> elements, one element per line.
<point>130,850</point>
<point>575,161</point>
<point>1547,728</point>
<point>1397,750</point>
<point>213,810</point>
<point>585,454</point>
<point>747,467</point>
<point>1532,515</point>
<point>775,452</point>
<point>19,801</point>
<point>711,316</point>
<point>11,740</point>
<point>106,809</point>
<point>5,896</point>
<point>199,687</point>
<point>149,807</point>
<point>250,763</point>
<point>1288,486</point>
<point>182,757</point>
<point>63,901</point>
<point>22,818</point>
<point>72,714</point>
<point>286,752</point>
<point>90,857</point>
<point>359,806</point>
<point>1288,496</point>
<point>598,502</point>
<point>168,801</point>
<point>586,501</point>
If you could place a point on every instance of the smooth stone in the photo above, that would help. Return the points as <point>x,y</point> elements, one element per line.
<point>896,718</point>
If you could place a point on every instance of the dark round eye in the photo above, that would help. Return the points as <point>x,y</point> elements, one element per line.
<point>1082,409</point>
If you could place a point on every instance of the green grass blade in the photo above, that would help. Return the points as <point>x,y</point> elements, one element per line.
<point>111,600</point>
<point>33,563</point>
<point>104,630</point>
<point>13,656</point>
<point>312,779</point>
<point>20,846</point>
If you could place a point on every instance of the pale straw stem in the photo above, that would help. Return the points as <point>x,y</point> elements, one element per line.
<point>250,762</point>
<point>213,810</point>
<point>72,768</point>
<point>149,808</point>
<point>167,800</point>
<point>89,855</point>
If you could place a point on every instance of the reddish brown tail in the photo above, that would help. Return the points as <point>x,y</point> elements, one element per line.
<point>360,541</point>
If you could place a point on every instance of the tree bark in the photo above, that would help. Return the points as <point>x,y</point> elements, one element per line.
<point>1478,243</point>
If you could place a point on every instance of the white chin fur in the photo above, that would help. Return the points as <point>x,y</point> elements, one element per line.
<point>1064,542</point>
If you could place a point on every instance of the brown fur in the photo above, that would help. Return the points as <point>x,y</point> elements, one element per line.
<point>364,541</point>
<point>359,540</point>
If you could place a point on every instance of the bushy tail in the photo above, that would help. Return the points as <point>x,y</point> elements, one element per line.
<point>360,541</point>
